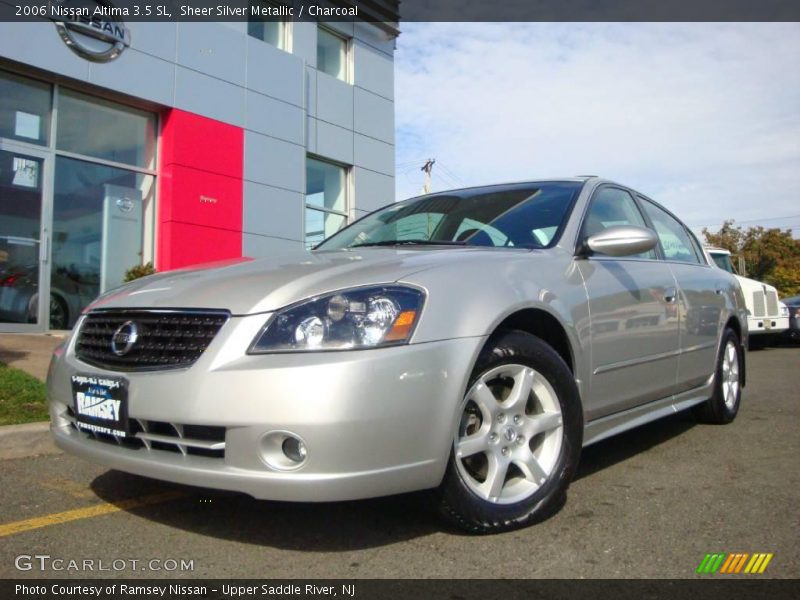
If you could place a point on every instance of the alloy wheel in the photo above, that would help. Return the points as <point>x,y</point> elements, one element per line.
<point>510,434</point>
<point>730,375</point>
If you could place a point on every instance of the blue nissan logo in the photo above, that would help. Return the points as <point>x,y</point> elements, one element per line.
<point>124,338</point>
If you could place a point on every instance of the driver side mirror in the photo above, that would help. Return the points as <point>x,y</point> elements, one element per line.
<point>620,240</point>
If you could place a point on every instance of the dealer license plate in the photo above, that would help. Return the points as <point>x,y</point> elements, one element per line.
<point>101,404</point>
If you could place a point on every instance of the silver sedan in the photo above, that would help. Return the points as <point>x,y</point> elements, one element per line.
<point>470,342</point>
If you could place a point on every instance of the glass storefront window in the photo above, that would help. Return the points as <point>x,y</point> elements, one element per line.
<point>98,229</point>
<point>104,130</point>
<point>24,109</point>
<point>20,222</point>
<point>95,170</point>
<point>326,200</point>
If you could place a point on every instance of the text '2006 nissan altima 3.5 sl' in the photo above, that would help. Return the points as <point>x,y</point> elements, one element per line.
<point>469,342</point>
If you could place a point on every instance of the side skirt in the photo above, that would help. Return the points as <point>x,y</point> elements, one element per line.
<point>611,425</point>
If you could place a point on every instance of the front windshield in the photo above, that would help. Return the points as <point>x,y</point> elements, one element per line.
<point>516,216</point>
<point>723,262</point>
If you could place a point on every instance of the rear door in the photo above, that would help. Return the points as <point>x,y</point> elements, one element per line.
<point>701,298</point>
<point>633,313</point>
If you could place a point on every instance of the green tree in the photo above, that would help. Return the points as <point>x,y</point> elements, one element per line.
<point>771,255</point>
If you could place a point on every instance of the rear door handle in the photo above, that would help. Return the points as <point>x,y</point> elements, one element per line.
<point>669,295</point>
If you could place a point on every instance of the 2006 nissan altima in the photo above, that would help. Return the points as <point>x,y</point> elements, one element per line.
<point>469,341</point>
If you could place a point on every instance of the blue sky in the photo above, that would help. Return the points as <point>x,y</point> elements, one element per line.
<point>705,118</point>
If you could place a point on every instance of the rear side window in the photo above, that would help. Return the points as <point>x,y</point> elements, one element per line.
<point>610,207</point>
<point>675,240</point>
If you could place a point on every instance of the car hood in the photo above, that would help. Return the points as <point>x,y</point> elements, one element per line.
<point>247,286</point>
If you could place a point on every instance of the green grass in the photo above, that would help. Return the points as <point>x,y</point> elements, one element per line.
<point>22,397</point>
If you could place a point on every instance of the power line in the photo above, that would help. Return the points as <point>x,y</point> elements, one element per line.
<point>452,175</point>
<point>736,221</point>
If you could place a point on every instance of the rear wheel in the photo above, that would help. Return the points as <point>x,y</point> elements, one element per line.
<point>59,314</point>
<point>518,438</point>
<point>723,405</point>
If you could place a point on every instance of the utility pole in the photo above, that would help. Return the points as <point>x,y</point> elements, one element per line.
<point>427,168</point>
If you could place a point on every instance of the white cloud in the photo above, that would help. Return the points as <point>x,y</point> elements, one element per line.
<point>703,117</point>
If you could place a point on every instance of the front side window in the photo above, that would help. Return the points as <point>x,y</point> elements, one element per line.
<point>331,54</point>
<point>519,216</point>
<point>672,235</point>
<point>24,109</point>
<point>326,200</point>
<point>265,24</point>
<point>611,207</point>
<point>723,261</point>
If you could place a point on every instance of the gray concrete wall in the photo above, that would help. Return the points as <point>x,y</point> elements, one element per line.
<point>287,108</point>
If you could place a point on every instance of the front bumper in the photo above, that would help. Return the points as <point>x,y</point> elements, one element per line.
<point>375,422</point>
<point>767,325</point>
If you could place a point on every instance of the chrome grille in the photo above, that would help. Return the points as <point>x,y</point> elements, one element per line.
<point>192,440</point>
<point>167,339</point>
<point>758,304</point>
<point>772,304</point>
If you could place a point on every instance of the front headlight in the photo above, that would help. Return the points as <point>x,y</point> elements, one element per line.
<point>352,319</point>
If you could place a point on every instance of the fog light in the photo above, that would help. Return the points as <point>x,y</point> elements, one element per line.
<point>294,449</point>
<point>282,450</point>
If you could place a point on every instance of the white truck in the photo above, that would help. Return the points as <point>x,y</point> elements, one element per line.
<point>767,317</point>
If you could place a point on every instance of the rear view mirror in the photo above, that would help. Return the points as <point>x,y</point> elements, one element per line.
<point>622,240</point>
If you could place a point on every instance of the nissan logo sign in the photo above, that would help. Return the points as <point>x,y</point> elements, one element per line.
<point>92,29</point>
<point>124,338</point>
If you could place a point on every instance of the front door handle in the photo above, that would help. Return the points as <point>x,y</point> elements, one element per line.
<point>670,294</point>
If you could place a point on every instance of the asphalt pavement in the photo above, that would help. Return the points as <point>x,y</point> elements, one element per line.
<point>649,503</point>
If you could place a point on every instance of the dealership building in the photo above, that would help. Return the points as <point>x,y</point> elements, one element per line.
<point>179,144</point>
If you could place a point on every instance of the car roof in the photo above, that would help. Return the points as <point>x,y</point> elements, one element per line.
<point>510,184</point>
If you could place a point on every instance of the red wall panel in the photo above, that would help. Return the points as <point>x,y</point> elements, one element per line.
<point>200,190</point>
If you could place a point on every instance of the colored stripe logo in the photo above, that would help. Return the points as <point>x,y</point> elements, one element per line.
<point>732,563</point>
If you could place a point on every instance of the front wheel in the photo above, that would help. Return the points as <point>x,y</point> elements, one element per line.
<point>518,439</point>
<point>723,405</point>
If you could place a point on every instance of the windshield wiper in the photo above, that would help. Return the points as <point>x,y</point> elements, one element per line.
<point>411,243</point>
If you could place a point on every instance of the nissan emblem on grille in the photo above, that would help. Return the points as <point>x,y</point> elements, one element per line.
<point>124,338</point>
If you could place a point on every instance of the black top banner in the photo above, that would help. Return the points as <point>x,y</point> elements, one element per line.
<point>396,12</point>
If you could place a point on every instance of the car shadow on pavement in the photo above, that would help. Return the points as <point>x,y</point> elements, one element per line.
<point>308,527</point>
<point>619,448</point>
<point>336,526</point>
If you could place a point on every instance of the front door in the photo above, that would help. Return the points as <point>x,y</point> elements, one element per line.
<point>24,239</point>
<point>634,315</point>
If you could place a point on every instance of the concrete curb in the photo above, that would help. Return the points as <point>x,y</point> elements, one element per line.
<point>24,441</point>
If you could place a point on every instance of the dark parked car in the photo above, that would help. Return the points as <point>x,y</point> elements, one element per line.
<point>71,289</point>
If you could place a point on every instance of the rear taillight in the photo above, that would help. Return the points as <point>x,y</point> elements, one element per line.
<point>8,281</point>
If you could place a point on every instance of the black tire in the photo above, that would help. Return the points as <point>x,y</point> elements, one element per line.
<point>759,342</point>
<point>716,410</point>
<point>462,506</point>
<point>59,313</point>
